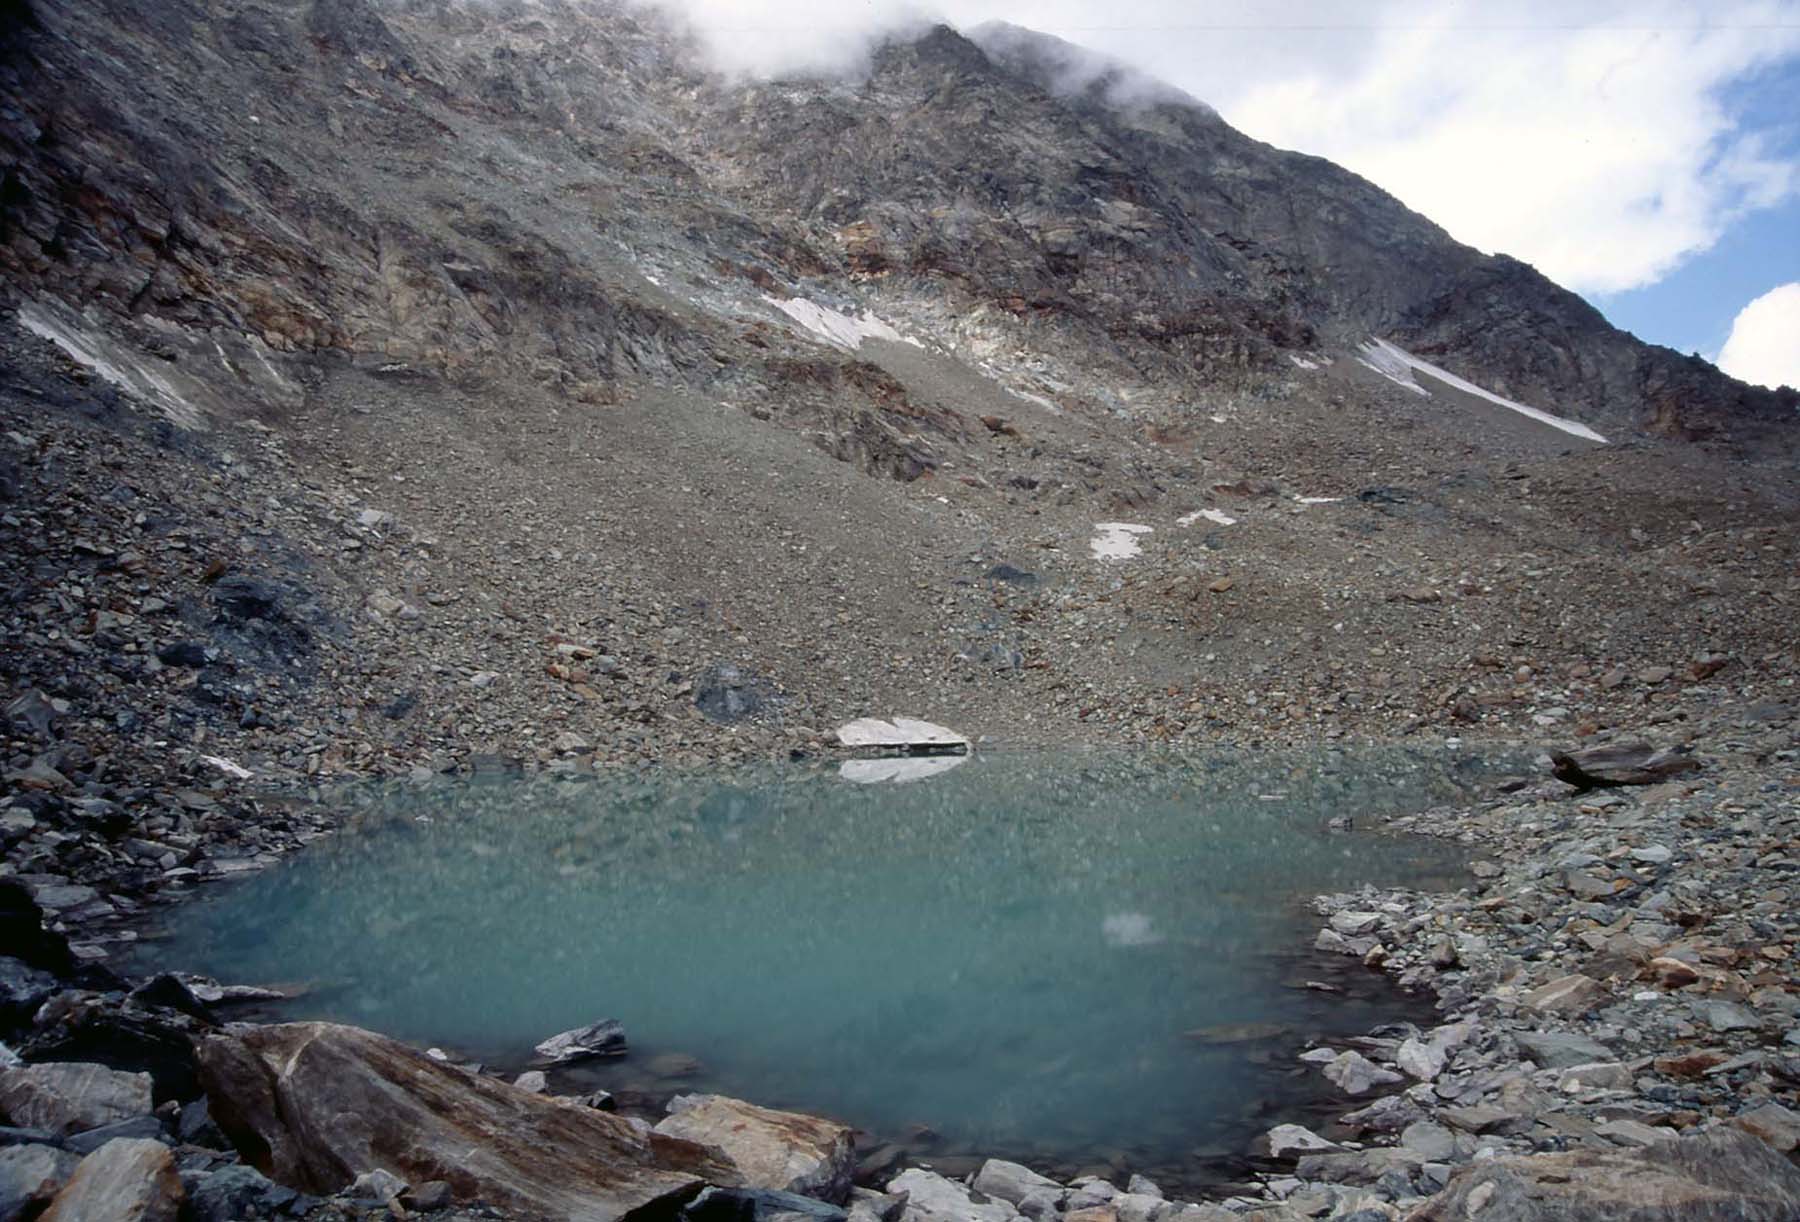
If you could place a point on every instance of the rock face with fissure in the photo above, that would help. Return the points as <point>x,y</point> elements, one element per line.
<point>315,1105</point>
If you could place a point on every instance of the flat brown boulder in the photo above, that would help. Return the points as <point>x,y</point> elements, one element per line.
<point>1722,1176</point>
<point>1621,764</point>
<point>314,1105</point>
<point>785,1151</point>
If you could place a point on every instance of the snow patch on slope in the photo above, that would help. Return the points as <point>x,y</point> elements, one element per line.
<point>1397,365</point>
<point>1117,540</point>
<point>110,361</point>
<point>1218,517</point>
<point>836,327</point>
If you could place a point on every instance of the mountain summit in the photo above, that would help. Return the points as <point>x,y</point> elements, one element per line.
<point>382,180</point>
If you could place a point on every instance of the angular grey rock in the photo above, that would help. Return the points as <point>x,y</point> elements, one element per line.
<point>376,1185</point>
<point>234,1192</point>
<point>1775,1124</point>
<point>780,1151</point>
<point>932,1198</point>
<point>30,1175</point>
<point>1572,994</point>
<point>1138,1207</point>
<point>1354,1074</point>
<point>1354,924</point>
<point>1293,1140</point>
<point>70,1096</point>
<point>605,1038</point>
<point>129,1180</point>
<point>1560,1049</point>
<point>1598,1075</point>
<point>1723,1176</point>
<point>1011,1181</point>
<point>1432,1142</point>
<point>1727,1016</point>
<point>1143,1185</point>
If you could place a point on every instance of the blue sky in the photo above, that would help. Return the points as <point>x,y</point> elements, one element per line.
<point>1692,308</point>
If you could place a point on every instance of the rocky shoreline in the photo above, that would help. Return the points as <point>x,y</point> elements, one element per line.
<point>1619,1021</point>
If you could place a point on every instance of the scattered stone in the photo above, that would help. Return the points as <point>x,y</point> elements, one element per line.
<point>932,1198</point>
<point>1574,994</point>
<point>1011,1182</point>
<point>376,1185</point>
<point>1561,1049</point>
<point>1293,1140</point>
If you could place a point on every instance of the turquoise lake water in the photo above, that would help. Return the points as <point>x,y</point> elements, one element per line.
<point>1070,960</point>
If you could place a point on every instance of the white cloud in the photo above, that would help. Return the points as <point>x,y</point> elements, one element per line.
<point>1764,346</point>
<point>1587,137</point>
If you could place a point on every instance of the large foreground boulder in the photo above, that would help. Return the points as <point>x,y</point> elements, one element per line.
<point>315,1105</point>
<point>1723,1176</point>
<point>784,1151</point>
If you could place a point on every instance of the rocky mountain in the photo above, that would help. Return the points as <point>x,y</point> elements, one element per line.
<point>505,335</point>
<point>564,192</point>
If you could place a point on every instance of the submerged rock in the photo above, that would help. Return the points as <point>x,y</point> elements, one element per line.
<point>782,1151</point>
<point>315,1105</point>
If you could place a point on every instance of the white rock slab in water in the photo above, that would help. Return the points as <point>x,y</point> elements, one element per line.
<point>605,1038</point>
<point>898,770</point>
<point>898,732</point>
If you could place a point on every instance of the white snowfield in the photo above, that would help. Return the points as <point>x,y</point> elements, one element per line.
<point>836,327</point>
<point>1117,540</point>
<point>1397,365</point>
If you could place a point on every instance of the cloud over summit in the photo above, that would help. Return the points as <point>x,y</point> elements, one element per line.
<point>1592,138</point>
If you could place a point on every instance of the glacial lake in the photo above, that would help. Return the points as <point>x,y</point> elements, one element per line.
<point>1079,961</point>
